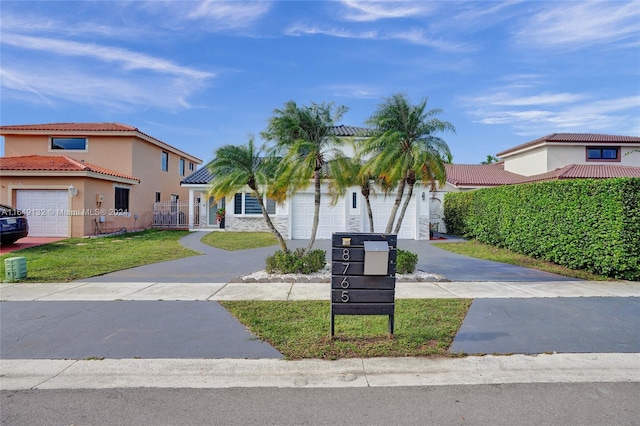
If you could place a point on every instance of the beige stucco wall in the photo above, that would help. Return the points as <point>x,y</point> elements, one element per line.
<point>547,158</point>
<point>83,212</point>
<point>129,155</point>
<point>528,163</point>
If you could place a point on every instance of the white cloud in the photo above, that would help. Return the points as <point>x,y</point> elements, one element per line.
<point>80,85</point>
<point>39,24</point>
<point>354,91</point>
<point>506,99</point>
<point>618,115</point>
<point>367,11</point>
<point>227,14</point>
<point>128,59</point>
<point>302,29</point>
<point>578,24</point>
<point>413,36</point>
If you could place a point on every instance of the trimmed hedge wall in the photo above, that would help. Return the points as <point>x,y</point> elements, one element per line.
<point>590,224</point>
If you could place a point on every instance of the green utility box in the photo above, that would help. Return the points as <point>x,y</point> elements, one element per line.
<point>15,268</point>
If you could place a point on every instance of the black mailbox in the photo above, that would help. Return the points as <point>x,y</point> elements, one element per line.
<point>363,281</point>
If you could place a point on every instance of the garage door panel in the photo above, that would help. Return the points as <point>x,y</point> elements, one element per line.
<point>46,211</point>
<point>332,218</point>
<point>381,207</point>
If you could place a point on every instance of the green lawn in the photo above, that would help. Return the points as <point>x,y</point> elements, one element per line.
<point>300,329</point>
<point>239,240</point>
<point>488,252</point>
<point>78,258</point>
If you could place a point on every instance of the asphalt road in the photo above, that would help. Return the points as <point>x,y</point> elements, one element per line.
<point>508,404</point>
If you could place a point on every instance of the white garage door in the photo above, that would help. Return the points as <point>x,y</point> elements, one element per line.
<point>45,211</point>
<point>332,219</point>
<point>381,207</point>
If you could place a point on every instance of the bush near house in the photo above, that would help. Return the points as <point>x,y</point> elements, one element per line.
<point>406,262</point>
<point>297,261</point>
<point>590,224</point>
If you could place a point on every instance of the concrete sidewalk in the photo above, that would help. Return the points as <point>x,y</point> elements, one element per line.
<point>102,291</point>
<point>152,372</point>
<point>355,372</point>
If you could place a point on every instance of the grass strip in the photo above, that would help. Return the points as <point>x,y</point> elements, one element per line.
<point>239,240</point>
<point>78,258</point>
<point>300,329</point>
<point>488,252</point>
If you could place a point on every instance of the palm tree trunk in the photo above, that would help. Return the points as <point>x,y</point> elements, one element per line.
<point>370,213</point>
<point>267,218</point>
<point>316,210</point>
<point>396,205</point>
<point>404,209</point>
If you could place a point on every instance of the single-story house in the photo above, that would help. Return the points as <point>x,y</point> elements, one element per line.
<point>556,156</point>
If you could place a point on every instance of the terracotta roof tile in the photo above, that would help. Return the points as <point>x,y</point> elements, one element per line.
<point>54,163</point>
<point>480,175</point>
<point>575,138</point>
<point>73,127</point>
<point>585,171</point>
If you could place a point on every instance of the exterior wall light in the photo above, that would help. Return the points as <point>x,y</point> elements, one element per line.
<point>73,191</point>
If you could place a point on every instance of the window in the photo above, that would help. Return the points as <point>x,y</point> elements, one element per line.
<point>158,197</point>
<point>74,144</point>
<point>181,167</point>
<point>192,166</point>
<point>165,161</point>
<point>248,204</point>
<point>603,153</point>
<point>122,199</point>
<point>354,200</point>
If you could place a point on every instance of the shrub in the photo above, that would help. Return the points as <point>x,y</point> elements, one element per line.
<point>405,262</point>
<point>589,224</point>
<point>295,262</point>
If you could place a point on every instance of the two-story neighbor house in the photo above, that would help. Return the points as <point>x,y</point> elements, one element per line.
<point>555,156</point>
<point>79,179</point>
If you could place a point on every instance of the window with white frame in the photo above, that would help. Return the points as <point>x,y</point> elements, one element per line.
<point>181,167</point>
<point>70,144</point>
<point>247,204</point>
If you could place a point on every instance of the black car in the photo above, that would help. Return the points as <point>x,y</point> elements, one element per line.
<point>13,225</point>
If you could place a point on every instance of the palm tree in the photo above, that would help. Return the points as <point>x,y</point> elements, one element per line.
<point>236,167</point>
<point>404,149</point>
<point>490,160</point>
<point>302,135</point>
<point>346,172</point>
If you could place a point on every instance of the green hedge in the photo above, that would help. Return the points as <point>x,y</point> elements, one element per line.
<point>590,224</point>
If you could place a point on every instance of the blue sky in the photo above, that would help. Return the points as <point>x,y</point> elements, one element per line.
<point>199,75</point>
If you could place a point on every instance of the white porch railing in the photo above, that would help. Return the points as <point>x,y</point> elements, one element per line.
<point>175,214</point>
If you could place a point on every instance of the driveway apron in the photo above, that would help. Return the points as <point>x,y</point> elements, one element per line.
<point>125,329</point>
